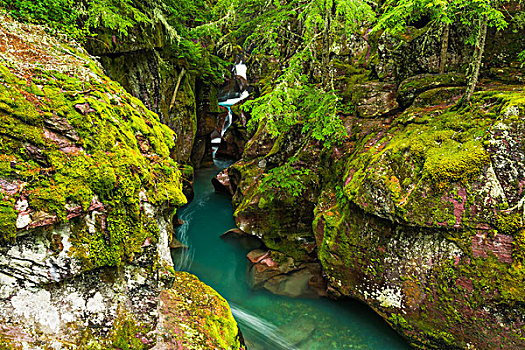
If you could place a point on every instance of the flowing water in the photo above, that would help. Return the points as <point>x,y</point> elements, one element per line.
<point>268,322</point>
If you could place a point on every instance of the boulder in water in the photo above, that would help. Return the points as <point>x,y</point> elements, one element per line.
<point>222,184</point>
<point>280,274</point>
<point>298,330</point>
<point>241,238</point>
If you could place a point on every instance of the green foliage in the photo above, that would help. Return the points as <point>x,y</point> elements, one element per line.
<point>196,35</point>
<point>285,180</point>
<point>293,101</point>
<point>271,31</point>
<point>117,15</point>
<point>79,19</point>
<point>307,105</point>
<point>58,15</point>
<point>397,15</point>
<point>187,23</point>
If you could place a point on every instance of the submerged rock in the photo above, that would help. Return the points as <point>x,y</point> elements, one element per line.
<point>222,183</point>
<point>298,330</point>
<point>281,275</point>
<point>244,240</point>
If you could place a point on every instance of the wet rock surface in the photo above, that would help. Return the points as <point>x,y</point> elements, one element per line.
<point>232,88</point>
<point>280,275</point>
<point>245,241</point>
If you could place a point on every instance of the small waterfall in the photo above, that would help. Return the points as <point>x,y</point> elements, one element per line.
<point>228,121</point>
<point>240,70</point>
<point>228,104</point>
<point>263,331</point>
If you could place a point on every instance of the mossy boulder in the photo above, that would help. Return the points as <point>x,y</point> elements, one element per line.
<point>419,215</point>
<point>280,216</point>
<point>427,225</point>
<point>410,88</point>
<point>194,316</point>
<point>79,145</point>
<point>89,187</point>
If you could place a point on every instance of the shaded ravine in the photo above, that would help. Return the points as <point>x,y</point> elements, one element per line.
<point>268,322</point>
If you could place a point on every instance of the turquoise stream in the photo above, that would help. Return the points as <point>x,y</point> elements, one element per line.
<point>268,322</point>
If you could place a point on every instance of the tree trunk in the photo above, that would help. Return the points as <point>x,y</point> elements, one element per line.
<point>325,69</point>
<point>475,66</point>
<point>174,97</point>
<point>444,49</point>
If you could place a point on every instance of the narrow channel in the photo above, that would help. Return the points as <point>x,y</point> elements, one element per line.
<point>268,322</point>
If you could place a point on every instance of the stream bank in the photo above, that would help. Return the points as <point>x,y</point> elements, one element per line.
<point>267,321</point>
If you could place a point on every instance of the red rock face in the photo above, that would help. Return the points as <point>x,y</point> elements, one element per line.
<point>500,246</point>
<point>10,187</point>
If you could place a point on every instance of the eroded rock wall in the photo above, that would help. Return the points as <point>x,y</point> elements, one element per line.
<point>419,212</point>
<point>89,188</point>
<point>146,65</point>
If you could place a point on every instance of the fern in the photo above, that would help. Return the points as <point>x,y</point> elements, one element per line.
<point>285,181</point>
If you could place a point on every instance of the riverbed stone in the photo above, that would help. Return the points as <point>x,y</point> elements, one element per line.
<point>281,275</point>
<point>298,330</point>
<point>245,241</point>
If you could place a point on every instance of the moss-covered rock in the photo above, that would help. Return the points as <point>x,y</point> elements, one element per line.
<point>148,68</point>
<point>420,216</point>
<point>89,187</point>
<point>194,316</point>
<point>424,227</point>
<point>413,86</point>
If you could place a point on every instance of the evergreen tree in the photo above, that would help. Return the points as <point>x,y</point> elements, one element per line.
<point>478,15</point>
<point>299,35</point>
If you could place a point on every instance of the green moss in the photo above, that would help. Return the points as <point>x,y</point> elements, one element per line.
<point>8,218</point>
<point>423,156</point>
<point>127,333</point>
<point>7,344</point>
<point>509,223</point>
<point>117,157</point>
<point>197,317</point>
<point>454,162</point>
<point>413,86</point>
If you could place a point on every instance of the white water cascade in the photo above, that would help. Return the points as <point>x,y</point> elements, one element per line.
<point>240,70</point>
<point>265,332</point>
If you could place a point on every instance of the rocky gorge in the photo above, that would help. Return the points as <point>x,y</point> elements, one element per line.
<point>417,212</point>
